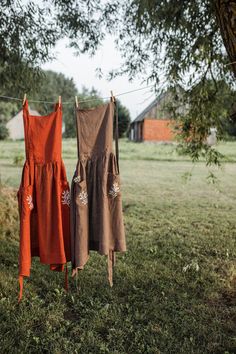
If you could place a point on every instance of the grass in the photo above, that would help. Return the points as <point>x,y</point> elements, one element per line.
<point>174,290</point>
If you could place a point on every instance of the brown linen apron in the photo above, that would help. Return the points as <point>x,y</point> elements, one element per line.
<point>96,206</point>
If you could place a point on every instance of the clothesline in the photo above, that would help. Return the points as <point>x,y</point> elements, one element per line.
<point>82,101</point>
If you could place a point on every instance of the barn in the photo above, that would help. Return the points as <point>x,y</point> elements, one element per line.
<point>15,125</point>
<point>153,123</point>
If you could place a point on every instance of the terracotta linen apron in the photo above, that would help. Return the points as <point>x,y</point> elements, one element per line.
<point>96,205</point>
<point>43,196</point>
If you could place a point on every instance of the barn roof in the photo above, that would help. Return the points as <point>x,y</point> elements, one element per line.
<point>16,126</point>
<point>141,116</point>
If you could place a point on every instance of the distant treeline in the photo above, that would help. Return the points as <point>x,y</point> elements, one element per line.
<point>52,84</point>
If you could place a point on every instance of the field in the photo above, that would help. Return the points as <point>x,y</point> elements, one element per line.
<point>174,290</point>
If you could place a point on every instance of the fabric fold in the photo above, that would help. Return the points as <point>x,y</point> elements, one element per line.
<point>96,205</point>
<point>43,196</point>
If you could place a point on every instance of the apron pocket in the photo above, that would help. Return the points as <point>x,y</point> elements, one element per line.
<point>81,192</point>
<point>65,193</point>
<point>113,185</point>
<point>25,198</point>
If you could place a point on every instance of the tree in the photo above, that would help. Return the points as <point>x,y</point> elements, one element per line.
<point>29,32</point>
<point>26,36</point>
<point>4,133</point>
<point>216,108</point>
<point>176,42</point>
<point>123,119</point>
<point>172,43</point>
<point>226,13</point>
<point>91,98</point>
<point>7,110</point>
<point>51,85</point>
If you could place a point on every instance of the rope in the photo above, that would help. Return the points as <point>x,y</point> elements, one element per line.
<point>72,102</point>
<point>11,98</point>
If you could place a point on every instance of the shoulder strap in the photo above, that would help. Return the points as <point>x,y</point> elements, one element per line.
<point>116,135</point>
<point>25,113</point>
<point>77,130</point>
<point>25,106</point>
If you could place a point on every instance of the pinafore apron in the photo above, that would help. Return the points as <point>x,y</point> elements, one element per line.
<point>96,205</point>
<point>43,196</point>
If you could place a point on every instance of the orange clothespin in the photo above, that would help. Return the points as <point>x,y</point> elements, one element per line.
<point>59,100</point>
<point>76,102</point>
<point>24,99</point>
<point>113,99</point>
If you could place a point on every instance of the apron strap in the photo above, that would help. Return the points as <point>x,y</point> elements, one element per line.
<point>66,286</point>
<point>74,272</point>
<point>116,135</point>
<point>21,281</point>
<point>76,280</point>
<point>77,130</point>
<point>25,112</point>
<point>110,263</point>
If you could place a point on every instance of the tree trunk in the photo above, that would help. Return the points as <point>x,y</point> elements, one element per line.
<point>226,16</point>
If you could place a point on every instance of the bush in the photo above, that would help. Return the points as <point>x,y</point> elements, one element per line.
<point>18,160</point>
<point>4,133</point>
<point>123,119</point>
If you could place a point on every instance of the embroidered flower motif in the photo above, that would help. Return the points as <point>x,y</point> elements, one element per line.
<point>83,196</point>
<point>77,179</point>
<point>115,189</point>
<point>30,201</point>
<point>65,197</point>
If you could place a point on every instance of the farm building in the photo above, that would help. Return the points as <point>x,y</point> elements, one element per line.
<point>15,125</point>
<point>154,123</point>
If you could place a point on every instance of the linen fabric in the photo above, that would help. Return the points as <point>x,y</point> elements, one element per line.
<point>96,205</point>
<point>44,195</point>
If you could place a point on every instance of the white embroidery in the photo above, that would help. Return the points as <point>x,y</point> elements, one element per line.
<point>30,201</point>
<point>77,179</point>
<point>115,189</point>
<point>83,196</point>
<point>65,198</point>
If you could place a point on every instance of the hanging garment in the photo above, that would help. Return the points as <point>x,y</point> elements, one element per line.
<point>96,206</point>
<point>43,196</point>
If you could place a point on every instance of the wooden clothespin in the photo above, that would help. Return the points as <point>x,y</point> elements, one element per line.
<point>113,99</point>
<point>76,102</point>
<point>24,99</point>
<point>59,100</point>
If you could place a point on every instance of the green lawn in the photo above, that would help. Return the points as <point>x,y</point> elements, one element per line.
<point>174,290</point>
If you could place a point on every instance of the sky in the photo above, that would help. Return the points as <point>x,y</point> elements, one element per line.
<point>83,70</point>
